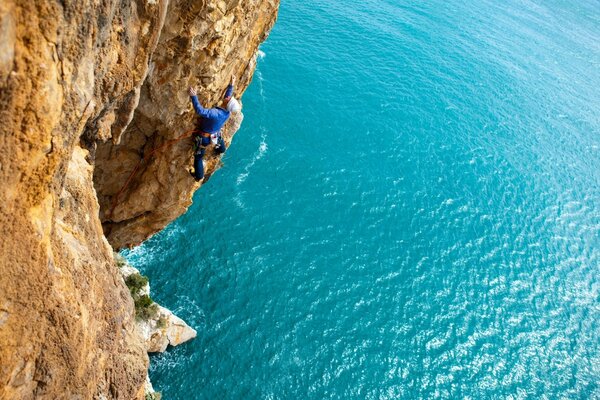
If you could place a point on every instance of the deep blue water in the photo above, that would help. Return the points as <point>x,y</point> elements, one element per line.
<point>410,210</point>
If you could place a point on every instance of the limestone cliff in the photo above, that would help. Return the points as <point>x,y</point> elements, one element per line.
<point>86,88</point>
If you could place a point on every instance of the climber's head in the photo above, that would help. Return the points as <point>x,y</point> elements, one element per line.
<point>231,104</point>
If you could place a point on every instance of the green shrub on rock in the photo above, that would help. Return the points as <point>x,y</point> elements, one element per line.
<point>145,307</point>
<point>135,283</point>
<point>162,322</point>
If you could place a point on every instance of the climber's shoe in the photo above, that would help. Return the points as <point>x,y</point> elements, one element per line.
<point>193,174</point>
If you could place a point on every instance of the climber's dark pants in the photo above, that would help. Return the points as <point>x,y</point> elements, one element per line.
<point>198,167</point>
<point>220,148</point>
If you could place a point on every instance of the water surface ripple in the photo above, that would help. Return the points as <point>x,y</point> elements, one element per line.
<point>411,210</point>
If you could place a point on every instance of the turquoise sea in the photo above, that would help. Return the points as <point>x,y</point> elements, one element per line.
<point>411,210</point>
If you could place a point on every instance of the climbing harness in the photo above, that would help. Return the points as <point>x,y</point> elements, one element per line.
<point>168,143</point>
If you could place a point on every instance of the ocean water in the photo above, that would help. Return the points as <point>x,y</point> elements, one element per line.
<point>411,210</point>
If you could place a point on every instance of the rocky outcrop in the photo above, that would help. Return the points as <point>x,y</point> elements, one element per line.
<point>68,325</point>
<point>86,88</point>
<point>165,329</point>
<point>161,327</point>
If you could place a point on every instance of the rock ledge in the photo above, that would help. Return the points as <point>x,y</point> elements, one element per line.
<point>160,327</point>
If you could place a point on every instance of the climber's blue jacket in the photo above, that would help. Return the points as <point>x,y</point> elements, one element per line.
<point>212,119</point>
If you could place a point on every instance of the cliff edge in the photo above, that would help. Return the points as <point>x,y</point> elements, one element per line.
<point>86,89</point>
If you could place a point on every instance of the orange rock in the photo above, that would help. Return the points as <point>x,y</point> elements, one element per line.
<point>71,74</point>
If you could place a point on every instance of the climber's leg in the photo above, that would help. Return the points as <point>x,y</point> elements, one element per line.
<point>198,173</point>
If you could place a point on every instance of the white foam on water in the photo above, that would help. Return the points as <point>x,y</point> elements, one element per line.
<point>261,90</point>
<point>261,54</point>
<point>239,201</point>
<point>260,153</point>
<point>190,311</point>
<point>168,360</point>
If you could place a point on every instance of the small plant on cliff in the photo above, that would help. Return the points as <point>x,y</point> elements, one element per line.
<point>153,396</point>
<point>135,283</point>
<point>145,307</point>
<point>162,322</point>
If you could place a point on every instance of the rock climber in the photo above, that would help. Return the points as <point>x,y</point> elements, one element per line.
<point>210,122</point>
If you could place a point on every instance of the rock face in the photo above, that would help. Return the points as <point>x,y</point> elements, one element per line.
<point>86,88</point>
<point>201,45</point>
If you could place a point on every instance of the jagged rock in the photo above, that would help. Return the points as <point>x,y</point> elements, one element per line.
<point>72,75</point>
<point>163,328</point>
<point>178,331</point>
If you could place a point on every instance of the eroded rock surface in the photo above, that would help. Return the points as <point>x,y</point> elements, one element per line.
<point>72,75</point>
<point>202,46</point>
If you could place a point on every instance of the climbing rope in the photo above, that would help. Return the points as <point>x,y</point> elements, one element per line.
<point>168,143</point>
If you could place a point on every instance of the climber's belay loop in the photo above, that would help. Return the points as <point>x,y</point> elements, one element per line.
<point>137,167</point>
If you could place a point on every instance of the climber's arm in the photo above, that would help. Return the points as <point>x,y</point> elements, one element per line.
<point>201,111</point>
<point>229,91</point>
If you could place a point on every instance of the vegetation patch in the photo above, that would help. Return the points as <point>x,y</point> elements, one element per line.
<point>153,396</point>
<point>135,283</point>
<point>162,322</point>
<point>145,307</point>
